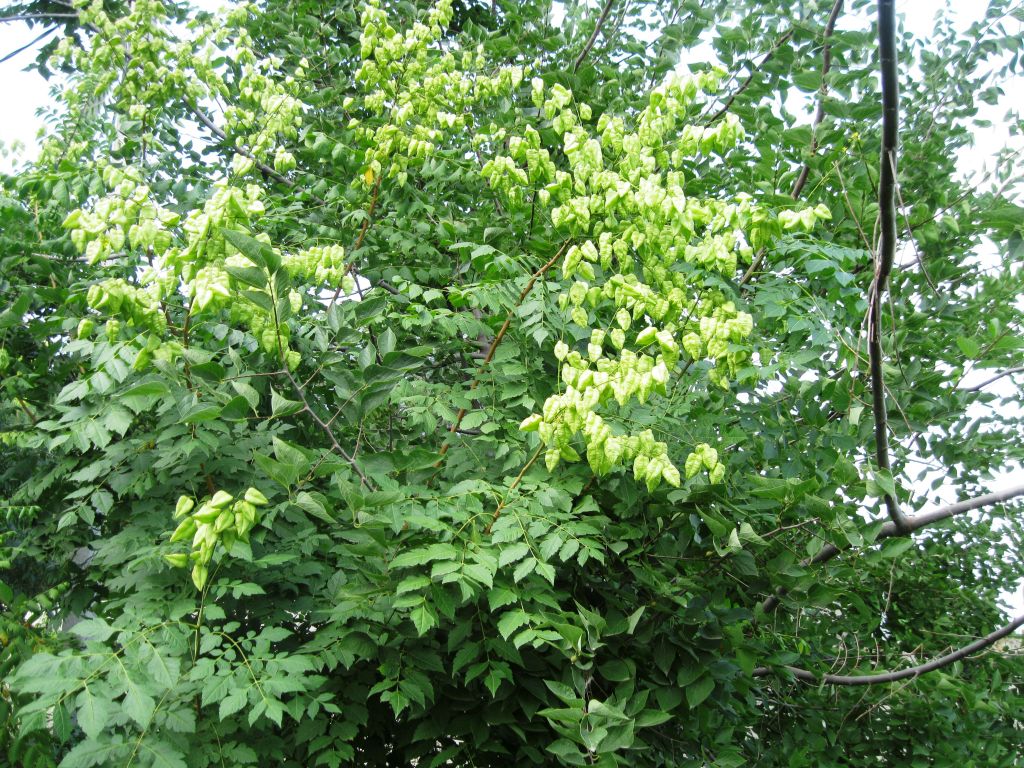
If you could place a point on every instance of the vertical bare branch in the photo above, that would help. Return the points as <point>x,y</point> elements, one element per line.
<point>887,240</point>
<point>819,115</point>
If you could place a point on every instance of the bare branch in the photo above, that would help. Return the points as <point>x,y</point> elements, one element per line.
<point>264,168</point>
<point>35,40</point>
<point>499,336</point>
<point>900,674</point>
<point>593,35</point>
<point>327,430</point>
<point>750,78</point>
<point>997,377</point>
<point>38,17</point>
<point>362,235</point>
<point>887,240</point>
<point>915,523</point>
<point>819,116</point>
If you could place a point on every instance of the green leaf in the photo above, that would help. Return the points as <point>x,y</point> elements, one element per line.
<point>257,278</point>
<point>199,413</point>
<point>513,553</point>
<point>884,480</point>
<point>423,618</point>
<point>260,254</point>
<point>699,690</point>
<point>281,406</point>
<point>93,713</point>
<point>314,506</point>
<point>138,705</point>
<point>233,702</point>
<point>236,409</point>
<point>510,621</point>
<point>142,396</point>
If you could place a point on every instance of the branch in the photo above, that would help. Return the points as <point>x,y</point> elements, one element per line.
<point>362,234</point>
<point>997,377</point>
<point>498,337</point>
<point>915,523</point>
<point>887,239</point>
<point>38,17</point>
<point>593,35</point>
<point>819,116</point>
<point>16,51</point>
<point>901,674</point>
<point>327,430</point>
<point>750,78</point>
<point>264,168</point>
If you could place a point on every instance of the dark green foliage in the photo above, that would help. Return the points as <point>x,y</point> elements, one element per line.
<point>414,595</point>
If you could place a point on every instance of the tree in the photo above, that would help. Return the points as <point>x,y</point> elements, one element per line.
<point>466,385</point>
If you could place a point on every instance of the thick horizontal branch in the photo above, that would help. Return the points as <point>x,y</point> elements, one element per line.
<point>899,674</point>
<point>915,523</point>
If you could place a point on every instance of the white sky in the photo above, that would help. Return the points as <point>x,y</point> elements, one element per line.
<point>25,94</point>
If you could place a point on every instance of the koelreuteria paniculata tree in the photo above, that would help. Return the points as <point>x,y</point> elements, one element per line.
<point>297,297</point>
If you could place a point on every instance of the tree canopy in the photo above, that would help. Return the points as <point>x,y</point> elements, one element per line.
<point>495,383</point>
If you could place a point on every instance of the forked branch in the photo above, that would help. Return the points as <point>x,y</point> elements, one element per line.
<point>915,523</point>
<point>499,336</point>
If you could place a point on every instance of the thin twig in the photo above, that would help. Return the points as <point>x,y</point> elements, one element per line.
<point>362,235</point>
<point>997,377</point>
<point>264,168</point>
<point>593,35</point>
<point>15,52</point>
<point>327,430</point>
<point>750,78</point>
<point>819,116</point>
<point>512,487</point>
<point>497,340</point>
<point>38,17</point>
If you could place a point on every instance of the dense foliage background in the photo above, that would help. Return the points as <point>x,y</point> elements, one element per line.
<point>298,296</point>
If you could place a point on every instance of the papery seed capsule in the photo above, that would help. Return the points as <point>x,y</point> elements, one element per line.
<point>183,507</point>
<point>177,560</point>
<point>255,497</point>
<point>224,521</point>
<point>199,576</point>
<point>206,513</point>
<point>220,499</point>
<point>185,529</point>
